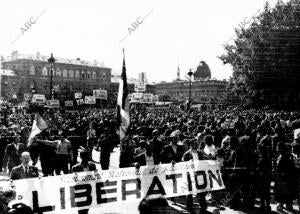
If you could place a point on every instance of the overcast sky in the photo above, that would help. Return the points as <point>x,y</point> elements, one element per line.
<point>175,31</point>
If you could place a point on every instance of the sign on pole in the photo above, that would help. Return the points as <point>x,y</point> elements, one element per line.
<point>100,94</point>
<point>38,98</point>
<point>27,96</point>
<point>53,103</point>
<point>69,103</point>
<point>78,95</point>
<point>90,100</point>
<point>140,87</point>
<point>80,102</point>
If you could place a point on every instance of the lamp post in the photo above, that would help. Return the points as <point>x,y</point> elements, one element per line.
<point>51,60</point>
<point>190,74</point>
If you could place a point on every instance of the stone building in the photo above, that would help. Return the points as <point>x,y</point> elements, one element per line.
<point>69,76</point>
<point>202,91</point>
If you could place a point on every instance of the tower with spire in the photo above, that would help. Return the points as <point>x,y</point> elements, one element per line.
<point>178,73</point>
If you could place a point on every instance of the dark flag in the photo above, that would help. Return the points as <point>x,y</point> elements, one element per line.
<point>123,103</point>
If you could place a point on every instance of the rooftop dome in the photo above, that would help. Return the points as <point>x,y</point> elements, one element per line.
<point>203,71</point>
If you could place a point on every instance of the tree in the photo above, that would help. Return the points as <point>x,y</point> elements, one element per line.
<point>264,57</point>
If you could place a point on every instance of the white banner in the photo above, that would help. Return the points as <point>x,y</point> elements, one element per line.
<point>78,95</point>
<point>147,98</point>
<point>99,189</point>
<point>53,103</point>
<point>38,98</point>
<point>155,98</point>
<point>100,94</point>
<point>90,100</point>
<point>69,103</point>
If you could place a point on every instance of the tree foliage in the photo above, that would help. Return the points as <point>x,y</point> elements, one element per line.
<point>265,57</point>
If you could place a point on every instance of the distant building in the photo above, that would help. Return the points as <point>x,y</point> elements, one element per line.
<point>69,76</point>
<point>202,91</point>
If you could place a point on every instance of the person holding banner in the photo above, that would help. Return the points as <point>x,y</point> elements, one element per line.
<point>194,154</point>
<point>64,154</point>
<point>85,165</point>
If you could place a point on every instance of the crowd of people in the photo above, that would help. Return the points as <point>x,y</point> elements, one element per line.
<point>255,148</point>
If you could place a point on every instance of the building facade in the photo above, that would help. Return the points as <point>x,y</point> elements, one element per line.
<point>202,91</point>
<point>69,76</point>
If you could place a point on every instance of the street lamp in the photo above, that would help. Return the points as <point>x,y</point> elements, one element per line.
<point>190,74</point>
<point>51,60</point>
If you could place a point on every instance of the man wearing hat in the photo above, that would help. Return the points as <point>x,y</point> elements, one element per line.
<point>13,152</point>
<point>85,165</point>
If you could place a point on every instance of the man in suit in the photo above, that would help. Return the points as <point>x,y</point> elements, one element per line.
<point>172,152</point>
<point>85,165</point>
<point>24,170</point>
<point>13,152</point>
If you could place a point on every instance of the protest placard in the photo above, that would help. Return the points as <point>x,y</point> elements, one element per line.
<point>69,103</point>
<point>100,94</point>
<point>53,103</point>
<point>38,98</point>
<point>78,95</point>
<point>90,100</point>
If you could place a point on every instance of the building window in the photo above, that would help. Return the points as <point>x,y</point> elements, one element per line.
<point>45,71</point>
<point>32,70</point>
<point>104,75</point>
<point>65,73</point>
<point>57,72</point>
<point>71,73</point>
<point>77,74</point>
<point>94,75</point>
<point>82,74</point>
<point>88,75</point>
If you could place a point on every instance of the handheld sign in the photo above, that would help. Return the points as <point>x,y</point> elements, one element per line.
<point>90,100</point>
<point>100,94</point>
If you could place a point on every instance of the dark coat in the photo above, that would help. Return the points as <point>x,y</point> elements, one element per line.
<point>12,155</point>
<point>79,168</point>
<point>169,155</point>
<point>19,173</point>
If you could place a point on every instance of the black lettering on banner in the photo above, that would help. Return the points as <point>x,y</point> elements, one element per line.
<point>100,191</point>
<point>36,207</point>
<point>203,174</point>
<point>86,194</point>
<point>189,181</point>
<point>156,182</point>
<point>174,179</point>
<point>137,190</point>
<point>62,198</point>
<point>213,176</point>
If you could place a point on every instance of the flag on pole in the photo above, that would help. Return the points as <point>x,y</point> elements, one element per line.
<point>123,103</point>
<point>39,124</point>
